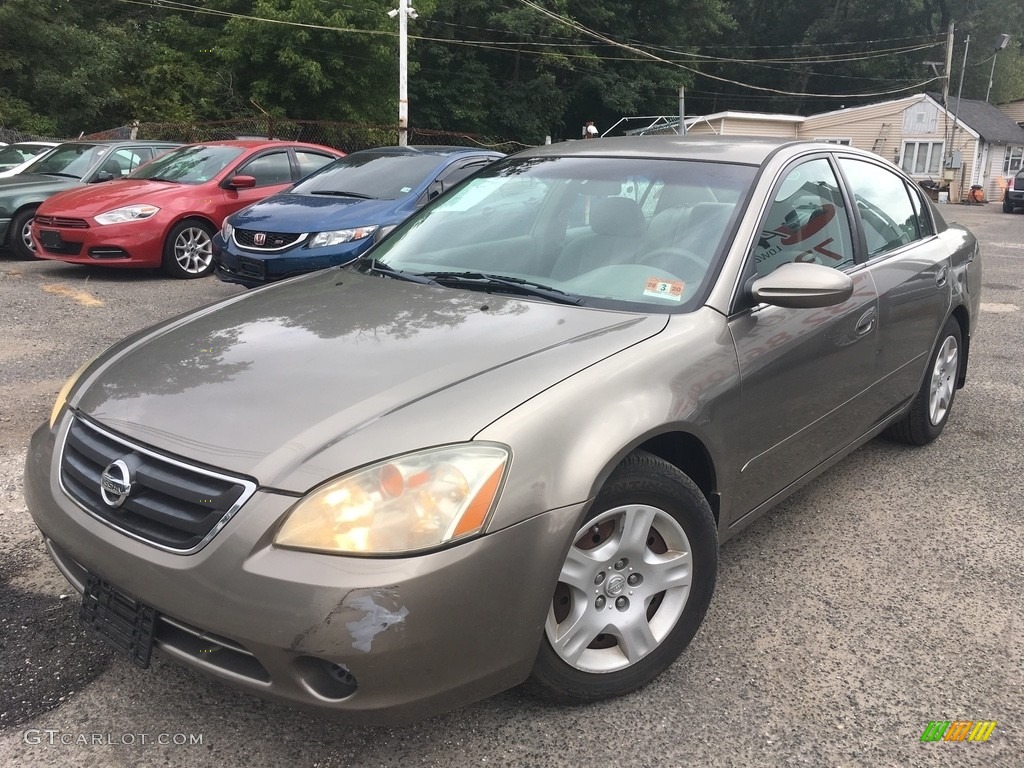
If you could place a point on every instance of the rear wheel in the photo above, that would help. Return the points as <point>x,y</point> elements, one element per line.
<point>21,234</point>
<point>634,587</point>
<point>1007,205</point>
<point>188,250</point>
<point>930,410</point>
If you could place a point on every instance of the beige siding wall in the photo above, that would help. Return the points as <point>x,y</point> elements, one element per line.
<point>738,126</point>
<point>1015,110</point>
<point>774,128</point>
<point>876,127</point>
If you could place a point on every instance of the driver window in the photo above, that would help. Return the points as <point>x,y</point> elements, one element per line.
<point>808,221</point>
<point>269,169</point>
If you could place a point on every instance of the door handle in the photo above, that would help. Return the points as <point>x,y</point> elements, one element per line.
<point>940,277</point>
<point>866,322</point>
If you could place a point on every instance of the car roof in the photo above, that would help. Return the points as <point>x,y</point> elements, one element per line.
<point>121,142</point>
<point>258,143</point>
<point>748,150</point>
<point>428,149</point>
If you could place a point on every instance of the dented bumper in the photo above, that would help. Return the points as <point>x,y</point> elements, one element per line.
<point>374,640</point>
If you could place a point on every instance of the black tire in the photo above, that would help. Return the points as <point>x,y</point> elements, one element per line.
<point>1007,206</point>
<point>20,247</point>
<point>188,250</point>
<point>649,498</point>
<point>934,400</point>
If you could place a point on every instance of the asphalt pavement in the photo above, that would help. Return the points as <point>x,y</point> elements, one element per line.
<point>884,595</point>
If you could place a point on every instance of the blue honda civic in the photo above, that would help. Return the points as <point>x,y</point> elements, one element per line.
<point>336,213</point>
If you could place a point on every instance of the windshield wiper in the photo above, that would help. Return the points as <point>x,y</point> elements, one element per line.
<point>372,265</point>
<point>58,173</point>
<point>341,193</point>
<point>162,178</point>
<point>489,282</point>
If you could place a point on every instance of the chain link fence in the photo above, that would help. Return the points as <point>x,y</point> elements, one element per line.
<point>11,136</point>
<point>348,137</point>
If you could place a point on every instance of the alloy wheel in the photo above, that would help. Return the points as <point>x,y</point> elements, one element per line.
<point>622,589</point>
<point>943,380</point>
<point>193,250</point>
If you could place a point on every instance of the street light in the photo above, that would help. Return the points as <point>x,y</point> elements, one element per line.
<point>1000,44</point>
<point>404,13</point>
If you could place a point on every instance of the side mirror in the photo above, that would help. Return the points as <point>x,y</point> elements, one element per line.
<point>435,189</point>
<point>103,176</point>
<point>803,286</point>
<point>241,182</point>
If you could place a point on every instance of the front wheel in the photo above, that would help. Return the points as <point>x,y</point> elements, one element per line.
<point>930,409</point>
<point>634,587</point>
<point>188,250</point>
<point>21,234</point>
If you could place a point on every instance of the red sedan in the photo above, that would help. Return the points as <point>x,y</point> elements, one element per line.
<point>166,213</point>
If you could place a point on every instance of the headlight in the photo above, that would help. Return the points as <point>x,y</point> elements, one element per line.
<point>128,213</point>
<point>62,396</point>
<point>225,231</point>
<point>339,236</point>
<point>409,503</point>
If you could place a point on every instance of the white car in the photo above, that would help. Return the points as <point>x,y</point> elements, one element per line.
<point>14,158</point>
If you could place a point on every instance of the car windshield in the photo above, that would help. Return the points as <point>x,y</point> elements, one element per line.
<point>370,175</point>
<point>72,160</point>
<point>621,232</point>
<point>189,165</point>
<point>16,154</point>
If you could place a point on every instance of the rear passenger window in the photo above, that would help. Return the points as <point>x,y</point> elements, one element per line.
<point>270,169</point>
<point>883,201</point>
<point>808,221</point>
<point>311,161</point>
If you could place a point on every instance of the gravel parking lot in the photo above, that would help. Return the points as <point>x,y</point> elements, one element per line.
<point>885,595</point>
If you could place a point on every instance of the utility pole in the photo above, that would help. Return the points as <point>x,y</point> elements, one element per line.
<point>404,13</point>
<point>949,64</point>
<point>682,110</point>
<point>1000,44</point>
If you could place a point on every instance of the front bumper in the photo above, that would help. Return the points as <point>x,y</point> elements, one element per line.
<point>413,635</point>
<point>129,245</point>
<point>253,268</point>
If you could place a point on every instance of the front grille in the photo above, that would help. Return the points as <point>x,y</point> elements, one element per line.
<point>171,505</point>
<point>273,241</point>
<point>59,221</point>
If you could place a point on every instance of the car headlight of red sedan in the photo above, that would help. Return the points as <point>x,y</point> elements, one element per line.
<point>405,504</point>
<point>128,213</point>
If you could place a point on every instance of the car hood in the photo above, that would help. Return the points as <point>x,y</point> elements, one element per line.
<point>301,381</point>
<point>93,199</point>
<point>35,183</point>
<point>292,213</point>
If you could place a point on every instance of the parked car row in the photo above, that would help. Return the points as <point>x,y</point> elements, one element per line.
<point>194,209</point>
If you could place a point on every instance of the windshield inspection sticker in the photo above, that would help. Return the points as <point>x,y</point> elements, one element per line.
<point>665,289</point>
<point>406,189</point>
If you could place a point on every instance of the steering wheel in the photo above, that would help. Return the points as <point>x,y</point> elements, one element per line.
<point>671,259</point>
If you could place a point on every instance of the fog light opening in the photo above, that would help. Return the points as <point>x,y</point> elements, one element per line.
<point>327,679</point>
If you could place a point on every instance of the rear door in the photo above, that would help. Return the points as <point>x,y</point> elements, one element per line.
<point>911,269</point>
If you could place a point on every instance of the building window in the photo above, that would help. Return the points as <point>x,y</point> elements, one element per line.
<point>1013,160</point>
<point>832,140</point>
<point>922,157</point>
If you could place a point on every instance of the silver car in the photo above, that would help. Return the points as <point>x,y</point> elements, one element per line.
<point>507,443</point>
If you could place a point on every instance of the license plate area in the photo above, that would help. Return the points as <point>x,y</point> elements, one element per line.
<point>252,267</point>
<point>123,622</point>
<point>50,238</point>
